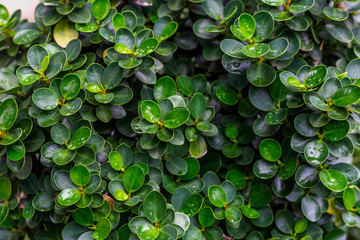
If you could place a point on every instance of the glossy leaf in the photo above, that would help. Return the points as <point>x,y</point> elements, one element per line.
<point>217,196</point>
<point>154,207</point>
<point>333,180</point>
<point>8,113</point>
<point>247,25</point>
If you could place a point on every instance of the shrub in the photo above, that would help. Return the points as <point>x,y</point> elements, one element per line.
<point>176,119</point>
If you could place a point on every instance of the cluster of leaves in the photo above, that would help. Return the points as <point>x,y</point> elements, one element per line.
<point>199,119</point>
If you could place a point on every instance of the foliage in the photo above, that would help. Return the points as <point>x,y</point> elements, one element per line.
<point>199,119</point>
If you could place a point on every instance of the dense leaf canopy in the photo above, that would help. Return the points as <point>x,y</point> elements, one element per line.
<point>199,119</point>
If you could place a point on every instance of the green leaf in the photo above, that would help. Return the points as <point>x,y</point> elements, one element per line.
<point>146,76</point>
<point>192,205</point>
<point>278,47</point>
<point>256,50</point>
<point>197,105</point>
<point>11,81</point>
<point>247,25</point>
<point>349,198</point>
<point>4,211</point>
<point>303,126</point>
<point>164,28</point>
<point>231,131</point>
<point>261,74</point>
<point>73,231</point>
<point>193,233</point>
<point>168,31</point>
<point>4,15</point>
<point>233,215</point>
<point>249,212</point>
<point>8,113</point>
<point>93,88</point>
<point>45,98</point>
<point>44,202</point>
<point>111,76</point>
<point>83,216</point>
<point>177,117</point>
<point>79,15</point>
<point>70,86</point>
<point>311,208</point>
<point>284,221</point>
<point>336,130</point>
<point>315,76</point>
<point>237,32</point>
<point>206,217</point>
<point>165,87</point>
<point>307,176</point>
<point>217,196</point>
<point>261,99</point>
<point>340,31</point>
<point>227,95</point>
<point>275,3</point>
<point>79,138</point>
<point>214,9</point>
<point>333,180</point>
<point>270,150</point>
<point>125,41</point>
<point>193,165</point>
<point>276,116</point>
<point>154,207</point>
<point>5,188</point>
<point>147,47</point>
<point>118,21</point>
<point>231,150</point>
<point>350,218</point>
<point>73,49</point>
<point>71,107</point>
<point>146,231</point>
<point>299,6</point>
<point>232,48</point>
<point>264,25</point>
<point>25,36</point>
<point>80,175</point>
<point>150,111</point>
<point>122,95</point>
<point>346,95</point>
<point>318,103</point>
<point>28,211</point>
<point>65,8</point>
<point>336,14</point>
<point>176,166</point>
<point>128,61</point>
<point>68,197</point>
<point>35,56</point>
<point>116,160</point>
<point>316,152</point>
<point>260,195</point>
<point>301,226</point>
<point>11,137</point>
<point>103,227</point>
<point>292,81</point>
<point>63,156</point>
<point>100,9</point>
<point>264,169</point>
<point>29,79</point>
<point>104,97</point>
<point>133,178</point>
<point>121,195</point>
<point>87,27</point>
<point>16,151</point>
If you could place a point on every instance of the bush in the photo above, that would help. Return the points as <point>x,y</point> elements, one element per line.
<point>191,120</point>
